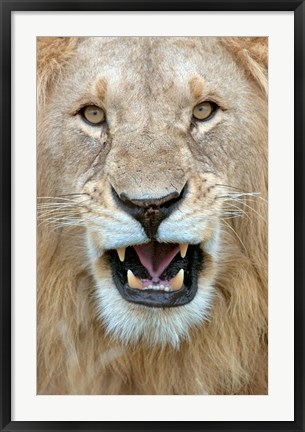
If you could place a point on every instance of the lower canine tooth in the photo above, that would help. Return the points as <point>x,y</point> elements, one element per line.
<point>133,281</point>
<point>183,249</point>
<point>121,253</point>
<point>177,282</point>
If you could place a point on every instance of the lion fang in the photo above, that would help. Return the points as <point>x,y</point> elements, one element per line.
<point>133,281</point>
<point>121,253</point>
<point>177,282</point>
<point>183,249</point>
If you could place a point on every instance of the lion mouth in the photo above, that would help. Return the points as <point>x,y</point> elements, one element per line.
<point>156,274</point>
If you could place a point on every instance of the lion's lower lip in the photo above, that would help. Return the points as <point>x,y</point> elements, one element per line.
<point>157,296</point>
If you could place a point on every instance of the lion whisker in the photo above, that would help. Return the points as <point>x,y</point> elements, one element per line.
<point>73,194</point>
<point>59,211</point>
<point>251,208</point>
<point>241,193</point>
<point>56,215</point>
<point>61,222</point>
<point>238,237</point>
<point>60,203</point>
<point>240,210</point>
<point>60,200</point>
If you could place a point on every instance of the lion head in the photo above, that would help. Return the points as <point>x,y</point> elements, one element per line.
<point>152,186</point>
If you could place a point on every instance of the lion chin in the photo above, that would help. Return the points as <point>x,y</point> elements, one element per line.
<point>152,240</point>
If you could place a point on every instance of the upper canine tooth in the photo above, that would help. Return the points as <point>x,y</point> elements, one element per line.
<point>133,281</point>
<point>121,253</point>
<point>177,282</point>
<point>183,249</point>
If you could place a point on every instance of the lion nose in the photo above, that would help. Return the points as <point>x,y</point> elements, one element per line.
<point>150,212</point>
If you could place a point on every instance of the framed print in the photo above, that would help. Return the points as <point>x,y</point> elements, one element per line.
<point>152,164</point>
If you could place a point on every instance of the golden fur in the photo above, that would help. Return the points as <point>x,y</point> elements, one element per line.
<point>226,354</point>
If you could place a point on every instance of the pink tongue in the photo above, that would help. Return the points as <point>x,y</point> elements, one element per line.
<point>155,257</point>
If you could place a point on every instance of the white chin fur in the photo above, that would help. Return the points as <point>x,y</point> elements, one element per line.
<point>130,322</point>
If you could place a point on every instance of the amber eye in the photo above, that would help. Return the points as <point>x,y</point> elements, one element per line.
<point>204,110</point>
<point>93,114</point>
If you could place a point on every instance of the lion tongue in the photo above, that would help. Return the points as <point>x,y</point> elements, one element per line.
<point>155,257</point>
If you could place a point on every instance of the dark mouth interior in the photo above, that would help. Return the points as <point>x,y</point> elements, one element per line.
<point>155,267</point>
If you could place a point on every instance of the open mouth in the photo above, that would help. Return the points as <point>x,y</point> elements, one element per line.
<point>156,274</point>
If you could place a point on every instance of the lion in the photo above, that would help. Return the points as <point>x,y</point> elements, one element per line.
<point>152,215</point>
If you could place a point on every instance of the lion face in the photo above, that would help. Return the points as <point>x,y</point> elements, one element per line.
<point>151,141</point>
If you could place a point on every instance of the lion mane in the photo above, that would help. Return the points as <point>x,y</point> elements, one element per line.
<point>225,353</point>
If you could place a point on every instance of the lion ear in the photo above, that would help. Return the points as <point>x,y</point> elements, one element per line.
<point>252,54</point>
<point>52,54</point>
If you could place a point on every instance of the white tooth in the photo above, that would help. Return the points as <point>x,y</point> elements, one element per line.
<point>133,281</point>
<point>183,249</point>
<point>167,289</point>
<point>121,253</point>
<point>161,286</point>
<point>177,282</point>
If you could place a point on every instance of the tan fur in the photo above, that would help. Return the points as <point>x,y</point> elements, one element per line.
<point>196,87</point>
<point>226,354</point>
<point>101,88</point>
<point>252,56</point>
<point>52,55</point>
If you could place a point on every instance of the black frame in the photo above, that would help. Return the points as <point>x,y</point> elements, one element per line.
<point>8,6</point>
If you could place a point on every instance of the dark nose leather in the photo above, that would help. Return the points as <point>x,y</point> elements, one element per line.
<point>151,212</point>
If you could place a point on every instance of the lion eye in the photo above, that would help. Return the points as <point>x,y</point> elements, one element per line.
<point>204,110</point>
<point>93,114</point>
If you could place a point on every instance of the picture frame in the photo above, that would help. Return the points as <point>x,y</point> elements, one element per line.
<point>7,8</point>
